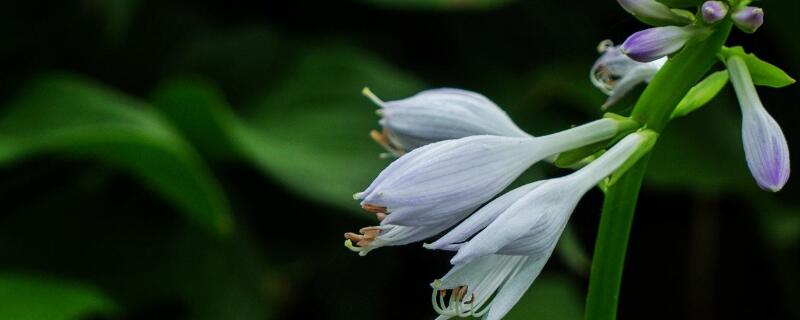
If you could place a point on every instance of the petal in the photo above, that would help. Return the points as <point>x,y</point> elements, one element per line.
<point>514,288</point>
<point>627,83</point>
<point>481,219</point>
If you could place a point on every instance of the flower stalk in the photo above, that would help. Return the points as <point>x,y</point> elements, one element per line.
<point>653,109</point>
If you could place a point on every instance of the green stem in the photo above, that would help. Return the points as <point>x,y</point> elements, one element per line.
<point>653,109</point>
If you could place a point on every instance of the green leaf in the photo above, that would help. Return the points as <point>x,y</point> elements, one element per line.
<point>439,4</point>
<point>312,132</point>
<point>36,297</point>
<point>73,117</point>
<point>762,72</point>
<point>701,93</point>
<point>550,297</point>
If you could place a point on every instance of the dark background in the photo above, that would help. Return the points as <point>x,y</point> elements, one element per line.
<point>195,160</point>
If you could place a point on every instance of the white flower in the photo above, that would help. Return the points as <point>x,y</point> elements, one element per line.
<point>434,187</point>
<point>520,230</point>
<point>438,114</point>
<point>532,225</point>
<point>765,147</point>
<point>616,74</point>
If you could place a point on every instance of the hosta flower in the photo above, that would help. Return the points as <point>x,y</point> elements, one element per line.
<point>436,115</point>
<point>655,43</point>
<point>765,147</point>
<point>748,19</point>
<point>714,11</point>
<point>532,224</point>
<point>488,286</point>
<point>430,189</point>
<point>616,74</point>
<point>495,268</point>
<point>434,183</point>
<point>655,13</point>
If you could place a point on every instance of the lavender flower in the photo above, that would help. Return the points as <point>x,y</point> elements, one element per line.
<point>435,186</point>
<point>655,13</point>
<point>436,115</point>
<point>714,11</point>
<point>765,147</point>
<point>748,19</point>
<point>655,43</point>
<point>520,230</point>
<point>532,225</point>
<point>616,74</point>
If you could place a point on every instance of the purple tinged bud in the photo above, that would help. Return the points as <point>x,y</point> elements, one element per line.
<point>714,11</point>
<point>655,13</point>
<point>748,19</point>
<point>765,147</point>
<point>654,43</point>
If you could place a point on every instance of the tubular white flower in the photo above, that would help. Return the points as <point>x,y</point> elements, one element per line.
<point>616,74</point>
<point>765,147</point>
<point>532,225</point>
<point>488,286</point>
<point>438,114</point>
<point>444,181</point>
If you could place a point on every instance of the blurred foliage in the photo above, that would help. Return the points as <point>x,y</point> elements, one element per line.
<point>36,297</point>
<point>146,149</point>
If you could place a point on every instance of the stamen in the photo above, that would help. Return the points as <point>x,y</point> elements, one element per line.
<point>368,93</point>
<point>373,208</point>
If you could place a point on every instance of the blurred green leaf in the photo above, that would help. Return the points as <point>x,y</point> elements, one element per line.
<point>439,4</point>
<point>37,297</point>
<point>311,132</point>
<point>550,297</point>
<point>222,278</point>
<point>762,72</point>
<point>75,117</point>
<point>701,93</point>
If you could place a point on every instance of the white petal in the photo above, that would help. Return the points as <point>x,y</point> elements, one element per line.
<point>481,218</point>
<point>515,288</point>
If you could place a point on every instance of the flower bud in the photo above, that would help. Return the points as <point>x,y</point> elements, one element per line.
<point>655,13</point>
<point>765,147</point>
<point>714,11</point>
<point>748,19</point>
<point>655,43</point>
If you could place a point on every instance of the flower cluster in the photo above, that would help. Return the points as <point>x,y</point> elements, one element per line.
<point>642,55</point>
<point>457,151</point>
<point>675,27</point>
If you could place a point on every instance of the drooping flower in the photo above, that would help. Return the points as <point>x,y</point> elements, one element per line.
<point>765,147</point>
<point>430,189</point>
<point>532,225</point>
<point>433,183</point>
<point>488,286</point>
<point>748,19</point>
<point>655,13</point>
<point>438,114</point>
<point>714,11</point>
<point>655,43</point>
<point>495,268</point>
<point>616,74</point>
